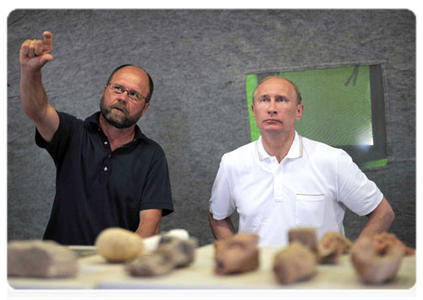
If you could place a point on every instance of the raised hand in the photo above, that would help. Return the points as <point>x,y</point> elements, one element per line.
<point>35,54</point>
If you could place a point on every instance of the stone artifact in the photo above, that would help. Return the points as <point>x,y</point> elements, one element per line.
<point>331,246</point>
<point>157,263</point>
<point>183,251</point>
<point>306,236</point>
<point>294,263</point>
<point>238,254</point>
<point>171,253</point>
<point>383,241</point>
<point>119,245</point>
<point>46,259</point>
<point>376,265</point>
<point>152,242</point>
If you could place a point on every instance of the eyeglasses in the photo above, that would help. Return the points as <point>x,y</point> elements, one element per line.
<point>118,90</point>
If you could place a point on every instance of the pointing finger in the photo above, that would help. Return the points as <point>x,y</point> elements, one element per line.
<point>48,40</point>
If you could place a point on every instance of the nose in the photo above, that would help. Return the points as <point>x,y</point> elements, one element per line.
<point>271,110</point>
<point>123,96</point>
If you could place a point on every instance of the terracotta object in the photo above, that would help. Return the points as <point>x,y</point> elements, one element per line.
<point>157,263</point>
<point>293,263</point>
<point>46,259</point>
<point>238,254</point>
<point>305,236</point>
<point>331,246</point>
<point>183,251</point>
<point>119,245</point>
<point>376,265</point>
<point>383,241</point>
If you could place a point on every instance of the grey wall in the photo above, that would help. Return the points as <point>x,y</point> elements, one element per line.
<point>198,60</point>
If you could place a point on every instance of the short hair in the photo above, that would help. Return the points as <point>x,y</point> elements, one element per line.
<point>296,89</point>
<point>150,80</point>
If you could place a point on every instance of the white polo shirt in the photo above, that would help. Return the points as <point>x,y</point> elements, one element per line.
<point>309,188</point>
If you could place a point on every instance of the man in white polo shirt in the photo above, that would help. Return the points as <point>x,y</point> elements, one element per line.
<point>283,180</point>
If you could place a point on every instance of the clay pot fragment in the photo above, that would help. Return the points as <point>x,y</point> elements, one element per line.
<point>374,264</point>
<point>45,259</point>
<point>331,246</point>
<point>383,241</point>
<point>293,263</point>
<point>237,254</point>
<point>306,236</point>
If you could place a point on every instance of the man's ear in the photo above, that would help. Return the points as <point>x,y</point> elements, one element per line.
<point>145,109</point>
<point>300,111</point>
<point>252,109</point>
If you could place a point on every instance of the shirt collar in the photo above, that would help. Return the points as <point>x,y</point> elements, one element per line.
<point>93,122</point>
<point>296,150</point>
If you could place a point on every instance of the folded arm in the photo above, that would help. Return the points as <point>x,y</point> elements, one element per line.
<point>222,229</point>
<point>379,220</point>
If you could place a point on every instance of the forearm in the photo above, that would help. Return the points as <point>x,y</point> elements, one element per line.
<point>379,220</point>
<point>33,95</point>
<point>149,224</point>
<point>222,229</point>
<point>148,228</point>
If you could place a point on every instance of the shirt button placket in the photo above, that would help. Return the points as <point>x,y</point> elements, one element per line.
<point>277,184</point>
<point>107,161</point>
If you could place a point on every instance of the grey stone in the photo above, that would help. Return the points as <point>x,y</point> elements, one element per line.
<point>157,263</point>
<point>183,251</point>
<point>40,259</point>
<point>170,253</point>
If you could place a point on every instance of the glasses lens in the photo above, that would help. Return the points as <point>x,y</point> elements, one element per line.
<point>118,89</point>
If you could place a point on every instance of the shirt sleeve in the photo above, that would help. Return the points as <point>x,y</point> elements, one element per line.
<point>221,203</point>
<point>157,190</point>
<point>58,144</point>
<point>355,190</point>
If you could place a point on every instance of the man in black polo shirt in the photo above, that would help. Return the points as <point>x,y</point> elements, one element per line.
<point>109,174</point>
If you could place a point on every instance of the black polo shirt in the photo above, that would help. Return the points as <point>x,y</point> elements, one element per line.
<point>97,188</point>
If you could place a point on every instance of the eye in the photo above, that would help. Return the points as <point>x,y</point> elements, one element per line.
<point>118,89</point>
<point>264,99</point>
<point>135,95</point>
<point>132,94</point>
<point>280,99</point>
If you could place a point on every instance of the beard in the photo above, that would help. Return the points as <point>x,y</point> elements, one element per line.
<point>120,117</point>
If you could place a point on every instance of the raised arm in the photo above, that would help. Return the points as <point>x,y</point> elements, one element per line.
<point>34,54</point>
<point>379,220</point>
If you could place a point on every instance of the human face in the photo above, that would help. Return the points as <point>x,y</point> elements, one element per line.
<point>119,110</point>
<point>275,108</point>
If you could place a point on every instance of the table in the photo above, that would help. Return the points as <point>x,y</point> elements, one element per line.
<point>96,273</point>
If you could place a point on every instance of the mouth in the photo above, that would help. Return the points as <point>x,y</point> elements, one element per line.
<point>119,109</point>
<point>272,121</point>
